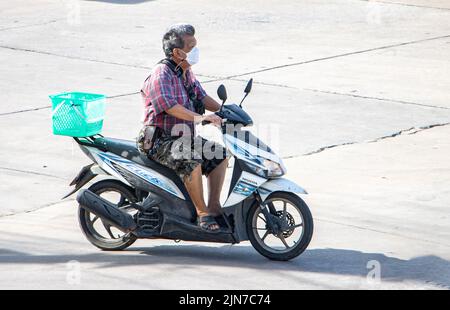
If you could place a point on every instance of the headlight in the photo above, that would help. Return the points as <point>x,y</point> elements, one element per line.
<point>273,169</point>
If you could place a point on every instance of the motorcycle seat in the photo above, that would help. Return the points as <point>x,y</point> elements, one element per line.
<point>128,149</point>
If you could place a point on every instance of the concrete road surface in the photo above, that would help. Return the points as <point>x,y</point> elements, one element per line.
<point>354,95</point>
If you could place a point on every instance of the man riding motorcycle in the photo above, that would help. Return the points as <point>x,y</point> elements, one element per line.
<point>174,101</point>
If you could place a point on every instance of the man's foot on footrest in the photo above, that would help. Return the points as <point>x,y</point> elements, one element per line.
<point>209,224</point>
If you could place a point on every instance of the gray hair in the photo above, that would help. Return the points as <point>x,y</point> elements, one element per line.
<point>174,37</point>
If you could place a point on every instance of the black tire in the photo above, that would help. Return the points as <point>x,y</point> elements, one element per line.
<point>306,235</point>
<point>90,232</point>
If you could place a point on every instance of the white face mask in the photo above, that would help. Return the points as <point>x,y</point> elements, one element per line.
<point>193,56</point>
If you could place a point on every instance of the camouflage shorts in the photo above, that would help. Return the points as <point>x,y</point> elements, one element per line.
<point>184,154</point>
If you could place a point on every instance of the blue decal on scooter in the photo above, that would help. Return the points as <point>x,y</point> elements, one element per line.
<point>108,157</point>
<point>243,188</point>
<point>130,166</point>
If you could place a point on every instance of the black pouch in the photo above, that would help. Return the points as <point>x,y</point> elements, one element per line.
<point>198,106</point>
<point>147,137</point>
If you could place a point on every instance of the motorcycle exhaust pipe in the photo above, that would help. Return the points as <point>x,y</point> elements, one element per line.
<point>105,210</point>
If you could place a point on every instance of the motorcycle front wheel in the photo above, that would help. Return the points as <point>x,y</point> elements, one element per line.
<point>294,224</point>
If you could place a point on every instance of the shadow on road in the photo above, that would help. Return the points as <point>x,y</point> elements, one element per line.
<point>427,269</point>
<point>121,1</point>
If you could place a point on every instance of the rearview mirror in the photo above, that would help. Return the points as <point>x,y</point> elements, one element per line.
<point>248,88</point>
<point>222,93</point>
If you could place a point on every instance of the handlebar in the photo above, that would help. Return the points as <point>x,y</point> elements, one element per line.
<point>224,120</point>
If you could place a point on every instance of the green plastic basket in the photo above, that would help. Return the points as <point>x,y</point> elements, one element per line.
<point>77,114</point>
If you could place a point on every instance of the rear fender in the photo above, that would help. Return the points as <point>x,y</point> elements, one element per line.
<point>86,174</point>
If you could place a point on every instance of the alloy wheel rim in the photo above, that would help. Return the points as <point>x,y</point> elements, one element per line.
<point>295,224</point>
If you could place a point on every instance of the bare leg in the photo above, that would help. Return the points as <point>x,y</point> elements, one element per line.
<point>195,189</point>
<point>215,183</point>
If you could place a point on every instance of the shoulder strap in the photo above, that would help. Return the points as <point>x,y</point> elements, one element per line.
<point>172,65</point>
<point>178,72</point>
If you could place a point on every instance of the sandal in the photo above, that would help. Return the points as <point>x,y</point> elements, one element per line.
<point>206,222</point>
<point>220,220</point>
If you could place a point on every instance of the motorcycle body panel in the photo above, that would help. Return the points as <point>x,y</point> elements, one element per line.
<point>166,211</point>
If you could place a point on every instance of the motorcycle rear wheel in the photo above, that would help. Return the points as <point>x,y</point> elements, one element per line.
<point>100,234</point>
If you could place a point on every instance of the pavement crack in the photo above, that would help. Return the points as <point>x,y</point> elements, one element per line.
<point>407,4</point>
<point>323,148</point>
<point>232,77</point>
<point>376,98</point>
<point>32,25</point>
<point>49,106</point>
<point>32,172</point>
<point>26,110</point>
<point>334,56</point>
<point>123,95</point>
<point>137,92</point>
<point>235,77</point>
<point>90,59</point>
<point>408,131</point>
<point>72,57</point>
<point>37,208</point>
<point>381,231</point>
<point>217,79</point>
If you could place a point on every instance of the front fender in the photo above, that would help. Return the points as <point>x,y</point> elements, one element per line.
<point>279,185</point>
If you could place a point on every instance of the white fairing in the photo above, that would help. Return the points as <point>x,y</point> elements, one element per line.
<point>245,151</point>
<point>106,160</point>
<point>252,154</point>
<point>245,186</point>
<point>281,184</point>
<point>106,167</point>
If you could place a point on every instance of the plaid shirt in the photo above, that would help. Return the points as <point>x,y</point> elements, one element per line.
<point>163,90</point>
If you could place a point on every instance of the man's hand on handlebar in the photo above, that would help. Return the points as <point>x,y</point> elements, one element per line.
<point>213,119</point>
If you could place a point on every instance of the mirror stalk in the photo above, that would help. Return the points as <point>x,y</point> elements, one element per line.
<point>245,96</point>
<point>221,106</point>
<point>247,90</point>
